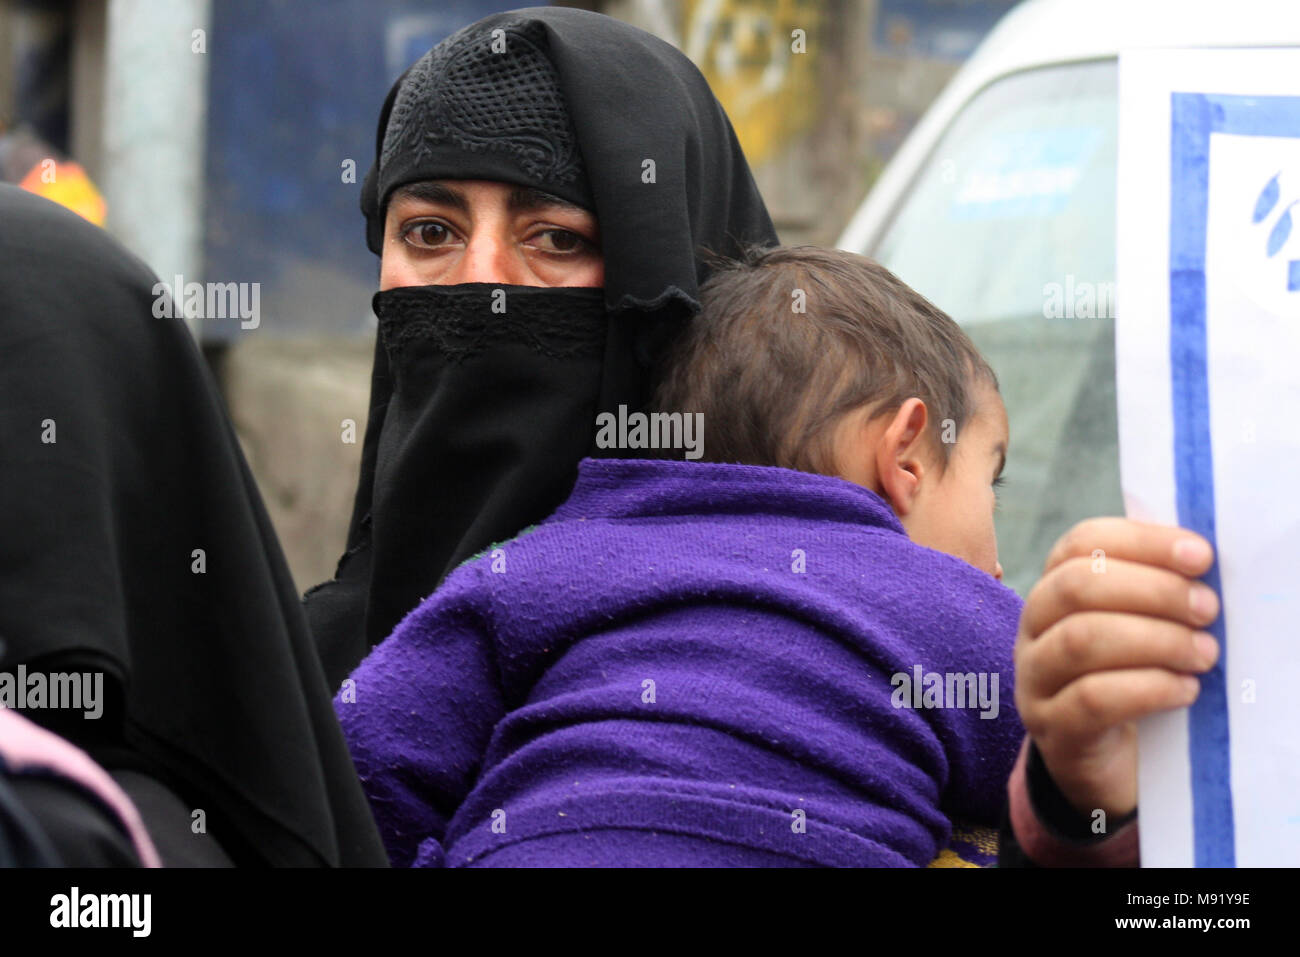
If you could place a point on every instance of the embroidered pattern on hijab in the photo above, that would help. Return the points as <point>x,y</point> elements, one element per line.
<point>488,92</point>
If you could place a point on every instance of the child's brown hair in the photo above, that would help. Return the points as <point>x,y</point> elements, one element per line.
<point>792,338</point>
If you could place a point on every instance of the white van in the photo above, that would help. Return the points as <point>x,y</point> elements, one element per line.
<point>1000,208</point>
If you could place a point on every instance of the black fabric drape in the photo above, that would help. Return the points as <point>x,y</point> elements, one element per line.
<point>117,465</point>
<point>668,182</point>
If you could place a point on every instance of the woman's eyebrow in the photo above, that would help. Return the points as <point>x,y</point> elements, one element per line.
<point>432,192</point>
<point>529,200</point>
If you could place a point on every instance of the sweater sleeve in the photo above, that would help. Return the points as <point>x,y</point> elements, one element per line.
<point>418,714</point>
<point>1040,828</point>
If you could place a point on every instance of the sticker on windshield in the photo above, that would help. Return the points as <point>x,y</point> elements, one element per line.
<point>1025,174</point>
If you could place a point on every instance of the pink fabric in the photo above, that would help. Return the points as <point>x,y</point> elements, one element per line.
<point>1047,849</point>
<point>27,747</point>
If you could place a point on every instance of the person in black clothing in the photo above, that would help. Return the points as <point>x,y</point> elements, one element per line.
<point>134,545</point>
<point>547,185</point>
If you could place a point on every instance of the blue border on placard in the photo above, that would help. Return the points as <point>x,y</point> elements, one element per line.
<point>1195,117</point>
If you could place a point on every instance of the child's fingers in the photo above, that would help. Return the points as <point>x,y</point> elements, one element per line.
<point>1109,641</point>
<point>1165,546</point>
<point>1076,585</point>
<point>1093,704</point>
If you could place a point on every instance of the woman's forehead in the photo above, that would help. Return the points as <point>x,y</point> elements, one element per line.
<point>457,193</point>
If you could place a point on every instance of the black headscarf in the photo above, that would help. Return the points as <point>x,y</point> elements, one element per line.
<point>478,419</point>
<point>117,463</point>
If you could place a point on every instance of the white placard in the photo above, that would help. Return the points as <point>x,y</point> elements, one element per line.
<point>1208,368</point>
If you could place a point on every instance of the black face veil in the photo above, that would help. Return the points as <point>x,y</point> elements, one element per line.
<point>484,399</point>
<point>133,541</point>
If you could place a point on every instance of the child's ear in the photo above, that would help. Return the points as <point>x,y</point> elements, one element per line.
<point>899,456</point>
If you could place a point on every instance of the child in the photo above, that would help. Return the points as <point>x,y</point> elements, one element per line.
<point>789,653</point>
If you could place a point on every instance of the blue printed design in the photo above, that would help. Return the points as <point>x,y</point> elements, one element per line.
<point>1267,200</point>
<point>1281,230</point>
<point>1195,117</point>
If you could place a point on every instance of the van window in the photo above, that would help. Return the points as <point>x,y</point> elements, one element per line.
<point>1010,228</point>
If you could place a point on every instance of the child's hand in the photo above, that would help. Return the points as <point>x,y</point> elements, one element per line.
<point>1110,634</point>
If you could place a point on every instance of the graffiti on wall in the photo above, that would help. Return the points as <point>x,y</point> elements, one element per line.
<point>761,58</point>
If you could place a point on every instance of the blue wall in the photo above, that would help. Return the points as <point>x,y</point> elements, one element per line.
<point>295,90</point>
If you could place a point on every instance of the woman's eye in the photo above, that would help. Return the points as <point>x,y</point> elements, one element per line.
<point>561,241</point>
<point>426,234</point>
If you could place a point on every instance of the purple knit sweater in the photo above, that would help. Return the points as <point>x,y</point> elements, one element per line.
<point>689,664</point>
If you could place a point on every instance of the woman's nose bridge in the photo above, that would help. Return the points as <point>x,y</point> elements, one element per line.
<point>489,254</point>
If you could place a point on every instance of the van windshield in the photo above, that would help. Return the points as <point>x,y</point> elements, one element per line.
<point>1010,228</point>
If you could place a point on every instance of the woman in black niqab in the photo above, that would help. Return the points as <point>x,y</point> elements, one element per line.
<point>478,419</point>
<point>133,541</point>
